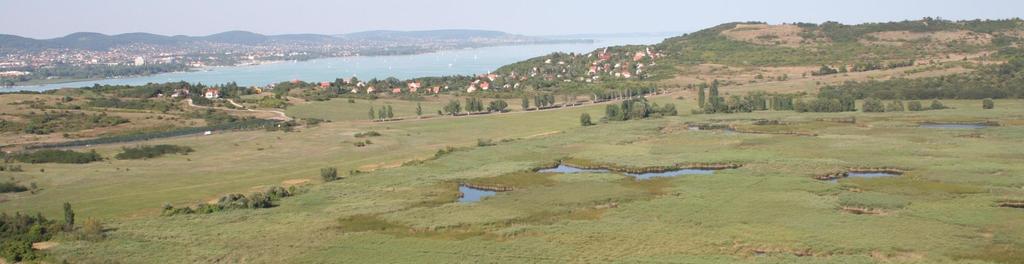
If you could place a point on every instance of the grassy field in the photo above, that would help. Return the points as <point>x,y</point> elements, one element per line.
<point>343,110</point>
<point>769,211</point>
<point>15,107</point>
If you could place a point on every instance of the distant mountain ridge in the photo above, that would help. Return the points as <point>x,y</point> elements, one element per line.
<point>98,41</point>
<point>428,34</point>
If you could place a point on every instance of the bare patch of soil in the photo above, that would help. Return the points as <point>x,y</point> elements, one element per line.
<point>44,245</point>
<point>761,34</point>
<point>294,182</point>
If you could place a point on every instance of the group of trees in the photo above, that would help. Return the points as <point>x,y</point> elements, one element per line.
<point>996,81</point>
<point>862,67</point>
<point>544,100</point>
<point>874,105</point>
<point>452,108</point>
<point>474,105</point>
<point>19,231</point>
<point>710,101</point>
<point>831,105</point>
<point>622,93</point>
<point>638,108</point>
<point>256,200</point>
<point>384,113</point>
<point>497,106</point>
<point>150,90</point>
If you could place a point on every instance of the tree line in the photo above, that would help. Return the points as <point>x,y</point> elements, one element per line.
<point>996,81</point>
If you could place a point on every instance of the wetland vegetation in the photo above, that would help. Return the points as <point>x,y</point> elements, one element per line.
<point>866,164</point>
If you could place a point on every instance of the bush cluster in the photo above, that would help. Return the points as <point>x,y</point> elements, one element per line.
<point>11,187</point>
<point>18,232</point>
<point>58,156</point>
<point>367,134</point>
<point>149,152</point>
<point>255,200</point>
<point>329,174</point>
<point>639,108</point>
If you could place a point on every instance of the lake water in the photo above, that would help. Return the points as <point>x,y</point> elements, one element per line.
<point>569,169</point>
<point>639,176</point>
<point>867,175</point>
<point>870,174</point>
<point>673,173</point>
<point>954,126</point>
<point>470,195</point>
<point>452,62</point>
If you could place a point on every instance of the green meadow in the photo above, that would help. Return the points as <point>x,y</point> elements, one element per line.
<point>402,206</point>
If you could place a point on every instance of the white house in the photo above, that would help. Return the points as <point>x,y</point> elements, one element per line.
<point>212,93</point>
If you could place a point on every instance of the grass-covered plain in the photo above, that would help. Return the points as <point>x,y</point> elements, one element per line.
<point>357,110</point>
<point>944,209</point>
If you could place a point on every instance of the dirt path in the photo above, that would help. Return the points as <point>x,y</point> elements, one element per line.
<point>278,115</point>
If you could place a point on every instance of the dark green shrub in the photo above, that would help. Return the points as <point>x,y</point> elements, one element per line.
<point>69,217</point>
<point>895,106</point>
<point>872,105</point>
<point>59,156</point>
<point>17,250</point>
<point>936,105</point>
<point>497,106</point>
<point>260,200</point>
<point>11,187</point>
<point>19,231</point>
<point>485,142</point>
<point>585,120</point>
<point>149,152</point>
<point>669,110</point>
<point>278,192</point>
<point>329,174</point>
<point>367,134</point>
<point>988,104</point>
<point>255,200</point>
<point>914,106</point>
<point>92,230</point>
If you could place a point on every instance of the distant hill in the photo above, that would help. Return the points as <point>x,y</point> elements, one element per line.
<point>826,48</point>
<point>451,34</point>
<point>98,41</point>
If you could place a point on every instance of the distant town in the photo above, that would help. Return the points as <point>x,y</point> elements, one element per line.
<point>83,56</point>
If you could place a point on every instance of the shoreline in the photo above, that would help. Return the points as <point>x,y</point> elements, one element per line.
<point>42,87</point>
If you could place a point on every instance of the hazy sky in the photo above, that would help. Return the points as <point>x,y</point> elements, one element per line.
<point>53,18</point>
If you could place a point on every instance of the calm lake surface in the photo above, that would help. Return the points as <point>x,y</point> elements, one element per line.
<point>866,175</point>
<point>569,169</point>
<point>452,62</point>
<point>673,173</point>
<point>954,126</point>
<point>470,195</point>
<point>565,169</point>
<point>870,174</point>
